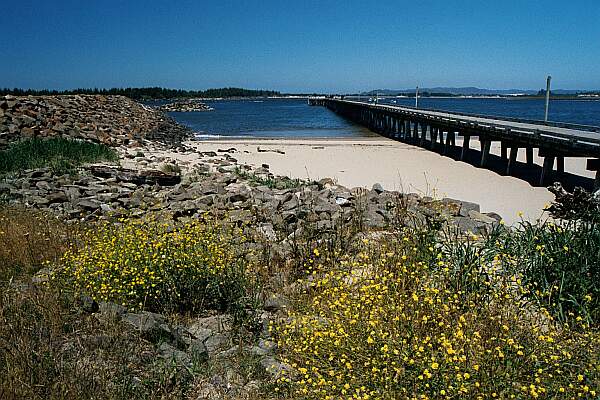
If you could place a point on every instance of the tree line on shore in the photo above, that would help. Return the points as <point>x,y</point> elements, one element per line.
<point>148,93</point>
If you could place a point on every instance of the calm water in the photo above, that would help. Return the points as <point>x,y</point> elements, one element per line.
<point>268,118</point>
<point>294,118</point>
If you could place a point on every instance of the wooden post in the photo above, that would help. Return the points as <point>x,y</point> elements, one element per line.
<point>447,141</point>
<point>529,155</point>
<point>485,151</point>
<point>560,164</point>
<point>465,146</point>
<point>512,159</point>
<point>503,150</point>
<point>546,169</point>
<point>433,134</point>
<point>450,138</point>
<point>423,134</point>
<point>594,165</point>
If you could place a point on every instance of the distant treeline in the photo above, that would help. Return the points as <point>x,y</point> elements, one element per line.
<point>149,93</point>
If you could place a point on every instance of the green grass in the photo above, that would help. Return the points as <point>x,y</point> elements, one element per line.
<point>59,154</point>
<point>280,183</point>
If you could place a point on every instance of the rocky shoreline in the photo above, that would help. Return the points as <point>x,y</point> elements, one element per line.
<point>219,183</point>
<point>111,120</point>
<point>185,106</point>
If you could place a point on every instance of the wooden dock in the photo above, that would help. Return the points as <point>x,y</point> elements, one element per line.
<point>438,130</point>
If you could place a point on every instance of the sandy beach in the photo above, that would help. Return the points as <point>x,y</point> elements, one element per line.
<point>395,165</point>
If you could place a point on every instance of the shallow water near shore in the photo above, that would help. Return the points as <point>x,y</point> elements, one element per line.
<point>293,118</point>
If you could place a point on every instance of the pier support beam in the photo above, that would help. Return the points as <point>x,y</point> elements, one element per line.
<point>546,169</point>
<point>594,165</point>
<point>512,159</point>
<point>503,150</point>
<point>465,147</point>
<point>560,164</point>
<point>423,134</point>
<point>485,151</point>
<point>529,155</point>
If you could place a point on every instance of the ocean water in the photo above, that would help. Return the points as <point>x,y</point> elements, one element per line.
<point>289,118</point>
<point>269,118</point>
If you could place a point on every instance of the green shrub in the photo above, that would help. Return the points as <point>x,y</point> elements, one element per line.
<point>59,154</point>
<point>560,261</point>
<point>172,169</point>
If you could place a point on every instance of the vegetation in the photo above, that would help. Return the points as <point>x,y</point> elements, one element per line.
<point>51,349</point>
<point>148,93</point>
<point>150,265</point>
<point>423,315</point>
<point>170,168</point>
<point>559,263</point>
<point>59,154</point>
<point>273,183</point>
<point>420,312</point>
<point>28,239</point>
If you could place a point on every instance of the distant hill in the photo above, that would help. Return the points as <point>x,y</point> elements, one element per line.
<point>465,91</point>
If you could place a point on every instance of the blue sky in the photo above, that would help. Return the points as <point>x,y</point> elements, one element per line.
<point>325,46</point>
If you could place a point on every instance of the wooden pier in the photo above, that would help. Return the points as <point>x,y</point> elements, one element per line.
<point>438,130</point>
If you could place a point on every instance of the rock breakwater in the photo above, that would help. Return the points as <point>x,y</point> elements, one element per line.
<point>185,106</point>
<point>111,120</point>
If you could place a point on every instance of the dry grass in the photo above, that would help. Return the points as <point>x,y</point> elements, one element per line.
<point>49,349</point>
<point>28,239</point>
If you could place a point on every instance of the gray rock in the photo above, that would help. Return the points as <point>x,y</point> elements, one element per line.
<point>496,217</point>
<point>175,356</point>
<point>198,351</point>
<point>265,347</point>
<point>238,192</point>
<point>267,231</point>
<point>215,323</point>
<point>466,224</point>
<point>377,188</point>
<point>276,302</point>
<point>216,342</point>
<point>274,367</point>
<point>477,216</point>
<point>151,326</point>
<point>290,203</point>
<point>89,204</point>
<point>57,197</point>
<point>466,207</point>
<point>38,200</point>
<point>43,185</point>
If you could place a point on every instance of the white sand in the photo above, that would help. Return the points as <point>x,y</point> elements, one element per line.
<point>396,166</point>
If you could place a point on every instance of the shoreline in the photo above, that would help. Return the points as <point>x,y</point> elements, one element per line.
<point>363,162</point>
